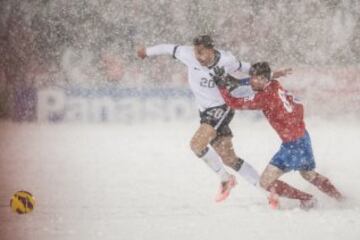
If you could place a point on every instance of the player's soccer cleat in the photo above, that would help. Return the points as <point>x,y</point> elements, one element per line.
<point>225,189</point>
<point>308,204</point>
<point>273,200</point>
<point>341,198</point>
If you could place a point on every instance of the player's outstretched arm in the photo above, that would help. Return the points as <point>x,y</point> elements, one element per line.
<point>161,49</point>
<point>282,73</point>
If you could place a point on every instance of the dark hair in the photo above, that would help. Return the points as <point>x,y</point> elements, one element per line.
<point>260,68</point>
<point>204,40</point>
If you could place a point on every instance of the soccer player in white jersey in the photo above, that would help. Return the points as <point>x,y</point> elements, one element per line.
<point>214,137</point>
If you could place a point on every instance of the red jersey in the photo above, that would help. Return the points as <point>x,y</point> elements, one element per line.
<point>285,114</point>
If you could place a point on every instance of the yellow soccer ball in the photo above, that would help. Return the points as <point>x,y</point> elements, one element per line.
<point>22,202</point>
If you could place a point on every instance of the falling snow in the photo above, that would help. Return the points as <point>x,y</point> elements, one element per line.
<point>102,139</point>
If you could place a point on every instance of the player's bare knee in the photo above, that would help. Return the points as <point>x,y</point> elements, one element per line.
<point>194,148</point>
<point>304,175</point>
<point>264,183</point>
<point>197,149</point>
<point>308,175</point>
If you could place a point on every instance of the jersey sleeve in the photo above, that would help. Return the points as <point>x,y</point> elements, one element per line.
<point>161,49</point>
<point>180,52</point>
<point>184,54</point>
<point>234,66</point>
<point>252,102</point>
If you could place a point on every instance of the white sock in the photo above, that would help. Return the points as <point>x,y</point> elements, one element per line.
<point>249,173</point>
<point>212,159</point>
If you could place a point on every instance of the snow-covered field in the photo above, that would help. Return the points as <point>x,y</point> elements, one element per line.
<point>140,182</point>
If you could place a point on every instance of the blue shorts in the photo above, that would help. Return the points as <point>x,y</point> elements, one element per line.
<point>296,155</point>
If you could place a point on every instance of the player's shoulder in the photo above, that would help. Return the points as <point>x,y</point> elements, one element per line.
<point>229,61</point>
<point>184,53</point>
<point>275,84</point>
<point>227,56</point>
<point>272,87</point>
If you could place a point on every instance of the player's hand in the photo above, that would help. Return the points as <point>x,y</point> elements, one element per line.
<point>219,71</point>
<point>282,73</point>
<point>141,52</point>
<point>218,76</point>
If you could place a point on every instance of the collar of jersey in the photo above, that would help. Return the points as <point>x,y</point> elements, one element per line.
<point>267,85</point>
<point>216,59</point>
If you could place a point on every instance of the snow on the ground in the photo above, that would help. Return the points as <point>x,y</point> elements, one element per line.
<point>138,182</point>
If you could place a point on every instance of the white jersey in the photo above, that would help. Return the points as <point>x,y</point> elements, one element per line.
<point>206,93</point>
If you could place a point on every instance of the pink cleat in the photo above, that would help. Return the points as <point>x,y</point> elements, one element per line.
<point>225,189</point>
<point>273,200</point>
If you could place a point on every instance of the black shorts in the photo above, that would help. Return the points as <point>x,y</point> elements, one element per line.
<point>219,118</point>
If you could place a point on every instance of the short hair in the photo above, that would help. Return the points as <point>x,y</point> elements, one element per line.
<point>260,68</point>
<point>204,40</point>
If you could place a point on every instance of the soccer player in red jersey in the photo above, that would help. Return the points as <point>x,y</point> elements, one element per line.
<point>286,115</point>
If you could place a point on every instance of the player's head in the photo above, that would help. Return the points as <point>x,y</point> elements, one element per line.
<point>260,75</point>
<point>204,49</point>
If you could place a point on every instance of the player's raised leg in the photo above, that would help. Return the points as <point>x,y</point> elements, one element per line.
<point>269,181</point>
<point>199,145</point>
<point>322,183</point>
